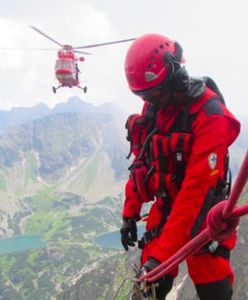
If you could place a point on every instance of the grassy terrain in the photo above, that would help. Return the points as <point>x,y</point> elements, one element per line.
<point>31,166</point>
<point>69,238</point>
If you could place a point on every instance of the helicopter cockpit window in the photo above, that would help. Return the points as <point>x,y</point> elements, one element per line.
<point>64,64</point>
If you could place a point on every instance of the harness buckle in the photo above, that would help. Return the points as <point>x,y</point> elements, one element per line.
<point>213,246</point>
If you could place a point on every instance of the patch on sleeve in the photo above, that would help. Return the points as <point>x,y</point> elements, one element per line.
<point>213,107</point>
<point>212,160</point>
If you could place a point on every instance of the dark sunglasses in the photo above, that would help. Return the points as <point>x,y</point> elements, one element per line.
<point>149,94</point>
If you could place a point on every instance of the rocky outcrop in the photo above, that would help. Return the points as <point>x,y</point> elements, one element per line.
<point>101,281</point>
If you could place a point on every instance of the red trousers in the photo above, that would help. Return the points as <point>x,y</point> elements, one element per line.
<point>203,267</point>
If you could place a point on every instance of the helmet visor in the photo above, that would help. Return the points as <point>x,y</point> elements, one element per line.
<point>149,95</point>
<point>154,94</point>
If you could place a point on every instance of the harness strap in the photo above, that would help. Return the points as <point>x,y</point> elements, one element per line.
<point>223,252</point>
<point>180,163</point>
<point>147,140</point>
<point>215,249</point>
<point>228,179</point>
<point>163,167</point>
<point>130,149</point>
<point>149,235</point>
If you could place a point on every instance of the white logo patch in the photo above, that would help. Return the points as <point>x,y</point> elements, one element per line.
<point>212,160</point>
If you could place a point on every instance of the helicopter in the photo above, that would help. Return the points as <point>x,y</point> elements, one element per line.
<point>66,66</point>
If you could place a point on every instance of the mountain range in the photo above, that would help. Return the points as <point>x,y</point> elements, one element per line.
<point>76,146</point>
<point>62,174</point>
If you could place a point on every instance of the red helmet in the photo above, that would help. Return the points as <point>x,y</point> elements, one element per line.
<point>145,65</point>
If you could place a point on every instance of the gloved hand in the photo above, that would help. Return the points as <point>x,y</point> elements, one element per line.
<point>128,233</point>
<point>148,288</point>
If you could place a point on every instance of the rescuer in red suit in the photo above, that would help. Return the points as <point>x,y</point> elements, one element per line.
<point>180,146</point>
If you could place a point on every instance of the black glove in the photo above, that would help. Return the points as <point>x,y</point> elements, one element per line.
<point>128,233</point>
<point>158,289</point>
<point>148,288</point>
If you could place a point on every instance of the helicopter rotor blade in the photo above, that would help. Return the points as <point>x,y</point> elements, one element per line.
<point>30,49</point>
<point>82,52</point>
<point>104,44</point>
<point>41,49</point>
<point>48,37</point>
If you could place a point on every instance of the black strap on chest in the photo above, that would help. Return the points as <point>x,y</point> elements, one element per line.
<point>182,126</point>
<point>149,120</point>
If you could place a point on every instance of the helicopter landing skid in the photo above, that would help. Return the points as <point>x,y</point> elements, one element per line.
<point>56,88</point>
<point>84,88</point>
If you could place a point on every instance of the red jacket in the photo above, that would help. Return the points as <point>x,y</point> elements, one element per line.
<point>204,150</point>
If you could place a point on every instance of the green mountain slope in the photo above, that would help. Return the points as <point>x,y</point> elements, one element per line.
<point>65,152</point>
<point>62,178</point>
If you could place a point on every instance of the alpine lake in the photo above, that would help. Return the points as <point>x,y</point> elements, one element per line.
<point>20,243</point>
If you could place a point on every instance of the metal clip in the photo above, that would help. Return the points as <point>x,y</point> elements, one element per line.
<point>213,246</point>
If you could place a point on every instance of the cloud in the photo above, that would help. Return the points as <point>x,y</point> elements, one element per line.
<point>28,75</point>
<point>212,35</point>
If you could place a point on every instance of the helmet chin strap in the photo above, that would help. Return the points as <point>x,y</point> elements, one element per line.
<point>177,78</point>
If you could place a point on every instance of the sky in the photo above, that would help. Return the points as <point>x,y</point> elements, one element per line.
<point>212,33</point>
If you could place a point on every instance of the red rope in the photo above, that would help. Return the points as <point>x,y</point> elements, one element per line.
<point>237,188</point>
<point>222,220</point>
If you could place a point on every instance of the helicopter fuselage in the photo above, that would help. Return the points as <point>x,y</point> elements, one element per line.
<point>66,69</point>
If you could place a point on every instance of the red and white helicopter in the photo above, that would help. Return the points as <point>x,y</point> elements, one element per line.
<point>66,66</point>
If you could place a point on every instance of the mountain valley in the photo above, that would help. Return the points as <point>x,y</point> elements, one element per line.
<point>62,175</point>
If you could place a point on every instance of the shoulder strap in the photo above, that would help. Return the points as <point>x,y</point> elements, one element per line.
<point>213,106</point>
<point>194,93</point>
<point>210,83</point>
